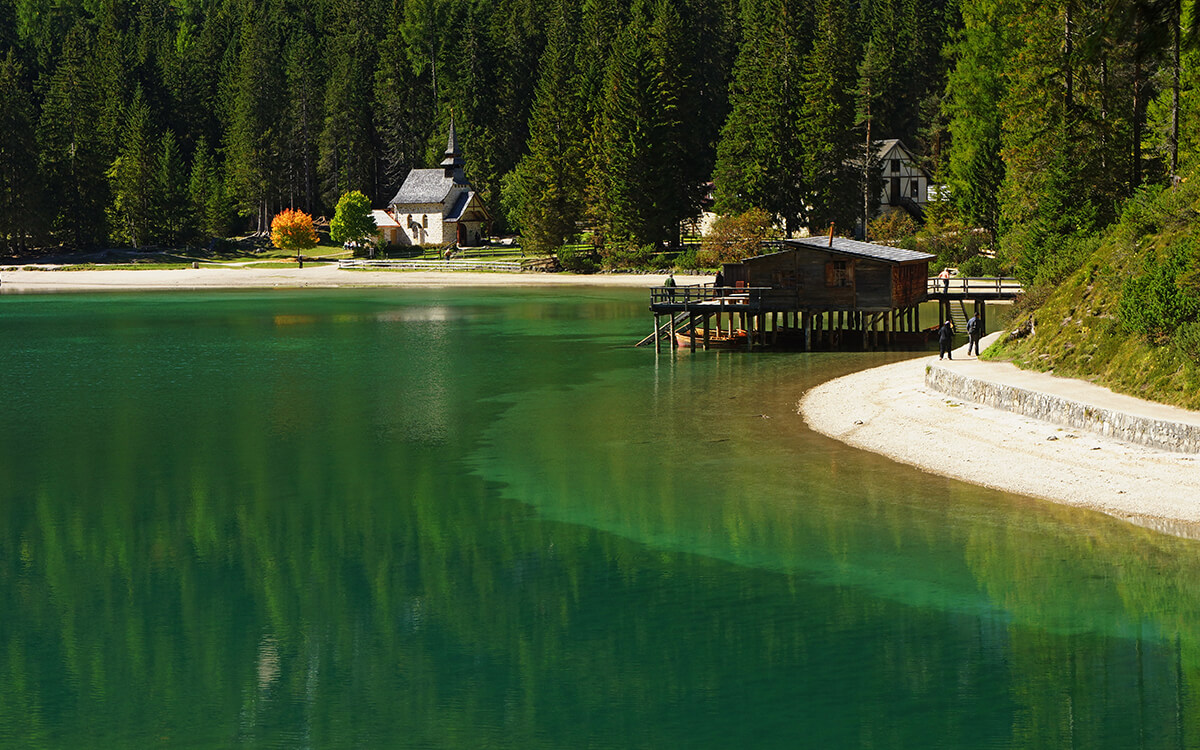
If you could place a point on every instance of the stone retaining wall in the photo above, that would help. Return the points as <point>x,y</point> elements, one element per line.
<point>1172,436</point>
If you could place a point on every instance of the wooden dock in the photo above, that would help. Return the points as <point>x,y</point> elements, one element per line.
<point>706,316</point>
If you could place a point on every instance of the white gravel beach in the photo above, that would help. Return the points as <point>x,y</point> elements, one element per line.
<point>889,410</point>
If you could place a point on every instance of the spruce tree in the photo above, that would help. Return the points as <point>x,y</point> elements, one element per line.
<point>253,136</point>
<point>210,208</point>
<point>625,177</point>
<point>72,157</point>
<point>171,216</point>
<point>302,116</point>
<point>826,123</point>
<point>404,111</point>
<point>347,140</point>
<point>19,190</point>
<point>759,162</point>
<point>975,88</point>
<point>544,194</point>
<point>132,178</point>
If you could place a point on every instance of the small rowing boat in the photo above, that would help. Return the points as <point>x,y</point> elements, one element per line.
<point>717,338</point>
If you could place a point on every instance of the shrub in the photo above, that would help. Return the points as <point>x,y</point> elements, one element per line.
<point>621,255</point>
<point>891,228</point>
<point>1155,303</point>
<point>980,265</point>
<point>736,237</point>
<point>1187,340</point>
<point>688,257</point>
<point>578,258</point>
<point>953,243</point>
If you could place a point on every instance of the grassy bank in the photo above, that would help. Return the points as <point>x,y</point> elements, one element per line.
<point>1129,316</point>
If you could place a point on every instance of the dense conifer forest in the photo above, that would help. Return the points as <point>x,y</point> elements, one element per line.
<point>170,122</point>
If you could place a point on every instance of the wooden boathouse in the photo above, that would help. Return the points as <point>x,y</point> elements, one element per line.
<point>811,291</point>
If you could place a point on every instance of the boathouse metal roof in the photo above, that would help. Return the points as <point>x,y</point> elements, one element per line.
<point>843,246</point>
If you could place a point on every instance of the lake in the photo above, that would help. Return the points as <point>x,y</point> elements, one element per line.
<point>476,518</point>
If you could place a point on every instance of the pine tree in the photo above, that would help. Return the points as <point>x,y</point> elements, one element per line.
<point>867,96</point>
<point>19,190</point>
<point>545,192</point>
<point>1050,197</point>
<point>680,141</point>
<point>759,162</point>
<point>72,157</point>
<point>132,178</point>
<point>210,208</point>
<point>172,219</point>
<point>975,89</point>
<point>826,122</point>
<point>302,116</point>
<point>404,111</point>
<point>347,140</point>
<point>110,67</point>
<point>253,135</point>
<point>624,179</point>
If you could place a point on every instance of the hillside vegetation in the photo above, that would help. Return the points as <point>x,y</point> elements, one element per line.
<point>1129,316</point>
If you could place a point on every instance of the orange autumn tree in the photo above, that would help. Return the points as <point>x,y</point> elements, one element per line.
<point>292,231</point>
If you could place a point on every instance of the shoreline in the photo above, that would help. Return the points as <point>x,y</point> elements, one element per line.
<point>24,280</point>
<point>889,410</point>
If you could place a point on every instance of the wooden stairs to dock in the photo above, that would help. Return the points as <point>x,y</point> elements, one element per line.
<point>678,323</point>
<point>958,314</point>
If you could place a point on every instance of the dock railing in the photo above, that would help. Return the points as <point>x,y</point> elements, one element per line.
<point>992,287</point>
<point>705,296</point>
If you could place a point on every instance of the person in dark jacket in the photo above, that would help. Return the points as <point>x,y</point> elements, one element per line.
<point>974,333</point>
<point>946,340</point>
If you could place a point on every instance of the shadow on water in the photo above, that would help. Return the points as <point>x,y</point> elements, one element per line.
<point>467,518</point>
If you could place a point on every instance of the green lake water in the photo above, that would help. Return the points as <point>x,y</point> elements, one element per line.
<point>472,518</point>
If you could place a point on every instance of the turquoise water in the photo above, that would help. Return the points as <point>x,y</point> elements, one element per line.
<point>471,518</point>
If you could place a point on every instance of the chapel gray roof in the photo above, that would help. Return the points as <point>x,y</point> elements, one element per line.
<point>424,186</point>
<point>855,248</point>
<point>460,205</point>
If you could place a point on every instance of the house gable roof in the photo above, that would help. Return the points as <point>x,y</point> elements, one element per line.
<point>885,147</point>
<point>383,219</point>
<point>854,248</point>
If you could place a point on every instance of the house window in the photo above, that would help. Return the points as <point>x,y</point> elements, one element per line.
<point>915,188</point>
<point>895,165</point>
<point>838,273</point>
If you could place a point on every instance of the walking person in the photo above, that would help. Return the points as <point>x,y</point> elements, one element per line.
<point>945,277</point>
<point>974,333</point>
<point>946,340</point>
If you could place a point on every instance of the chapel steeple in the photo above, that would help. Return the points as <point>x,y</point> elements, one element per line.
<point>452,165</point>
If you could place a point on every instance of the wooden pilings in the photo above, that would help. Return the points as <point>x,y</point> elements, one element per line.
<point>803,329</point>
